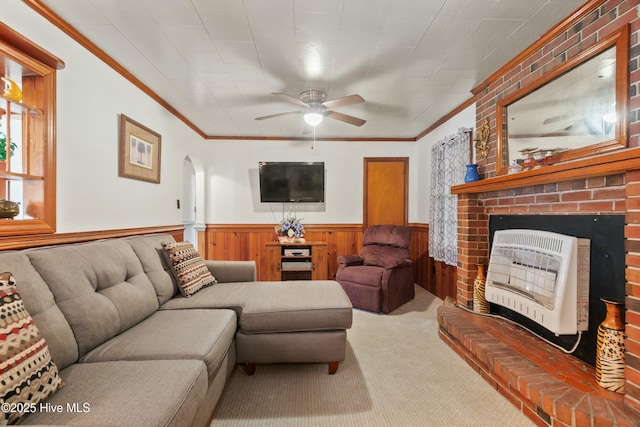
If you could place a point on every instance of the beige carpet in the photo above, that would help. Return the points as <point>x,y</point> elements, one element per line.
<point>397,373</point>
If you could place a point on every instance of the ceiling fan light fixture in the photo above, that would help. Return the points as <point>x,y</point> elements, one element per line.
<point>313,119</point>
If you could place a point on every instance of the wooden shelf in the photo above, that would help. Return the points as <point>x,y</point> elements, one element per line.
<point>602,165</point>
<point>19,176</point>
<point>316,267</point>
<point>19,107</point>
<point>32,127</point>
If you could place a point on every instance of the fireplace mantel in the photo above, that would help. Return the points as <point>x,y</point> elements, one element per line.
<point>602,165</point>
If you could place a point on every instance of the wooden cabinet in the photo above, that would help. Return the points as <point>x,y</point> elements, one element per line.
<point>27,124</point>
<point>297,261</point>
<point>444,280</point>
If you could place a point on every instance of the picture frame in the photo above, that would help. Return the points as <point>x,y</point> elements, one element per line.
<point>139,150</point>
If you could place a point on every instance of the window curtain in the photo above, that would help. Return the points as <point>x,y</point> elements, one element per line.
<point>449,158</point>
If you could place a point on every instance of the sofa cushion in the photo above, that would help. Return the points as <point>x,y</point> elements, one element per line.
<point>100,287</point>
<point>149,249</point>
<point>142,393</point>
<point>27,374</point>
<point>39,302</point>
<point>262,307</point>
<point>297,306</point>
<point>177,334</point>
<point>189,270</point>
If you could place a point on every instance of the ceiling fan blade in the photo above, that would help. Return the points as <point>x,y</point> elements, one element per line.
<point>343,101</point>
<point>278,115</point>
<point>344,118</point>
<point>291,99</point>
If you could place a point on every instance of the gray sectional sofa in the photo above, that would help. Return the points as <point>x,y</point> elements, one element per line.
<point>132,351</point>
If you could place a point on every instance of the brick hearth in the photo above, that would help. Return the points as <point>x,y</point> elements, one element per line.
<point>548,385</point>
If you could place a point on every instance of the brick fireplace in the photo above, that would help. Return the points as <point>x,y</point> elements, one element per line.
<point>511,360</point>
<point>605,184</point>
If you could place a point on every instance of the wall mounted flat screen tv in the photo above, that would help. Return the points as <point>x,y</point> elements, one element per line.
<point>299,182</point>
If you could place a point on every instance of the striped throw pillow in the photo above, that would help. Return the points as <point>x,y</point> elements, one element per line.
<point>27,374</point>
<point>188,269</point>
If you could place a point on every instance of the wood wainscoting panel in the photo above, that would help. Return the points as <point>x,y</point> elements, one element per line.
<point>239,242</point>
<point>445,280</point>
<point>419,252</point>
<point>248,242</point>
<point>23,242</point>
<point>341,239</point>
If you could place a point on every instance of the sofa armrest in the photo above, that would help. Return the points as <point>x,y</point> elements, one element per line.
<point>350,260</point>
<point>232,271</point>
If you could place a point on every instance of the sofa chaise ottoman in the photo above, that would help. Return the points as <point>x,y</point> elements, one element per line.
<point>131,350</point>
<point>281,322</point>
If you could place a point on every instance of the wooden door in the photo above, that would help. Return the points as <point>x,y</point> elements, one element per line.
<point>386,182</point>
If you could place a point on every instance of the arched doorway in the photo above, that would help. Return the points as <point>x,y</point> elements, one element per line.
<point>193,202</point>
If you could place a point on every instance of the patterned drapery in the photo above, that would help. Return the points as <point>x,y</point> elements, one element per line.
<point>449,158</point>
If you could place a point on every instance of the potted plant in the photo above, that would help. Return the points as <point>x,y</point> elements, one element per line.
<point>3,148</point>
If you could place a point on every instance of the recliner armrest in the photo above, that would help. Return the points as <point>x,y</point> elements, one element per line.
<point>232,271</point>
<point>394,263</point>
<point>350,260</point>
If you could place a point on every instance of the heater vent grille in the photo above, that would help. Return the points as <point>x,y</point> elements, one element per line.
<point>542,275</point>
<point>532,241</point>
<point>529,272</point>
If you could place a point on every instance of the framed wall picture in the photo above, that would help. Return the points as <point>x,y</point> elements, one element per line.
<point>138,151</point>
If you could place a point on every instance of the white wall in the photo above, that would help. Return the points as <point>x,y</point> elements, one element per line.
<point>465,118</point>
<point>91,196</point>
<point>234,188</point>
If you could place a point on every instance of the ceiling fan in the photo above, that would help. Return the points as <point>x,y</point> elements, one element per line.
<point>316,107</point>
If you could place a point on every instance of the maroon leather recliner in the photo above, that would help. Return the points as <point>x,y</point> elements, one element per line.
<point>380,279</point>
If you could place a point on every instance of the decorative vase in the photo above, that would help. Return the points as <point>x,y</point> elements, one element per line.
<point>472,173</point>
<point>480,304</point>
<point>610,347</point>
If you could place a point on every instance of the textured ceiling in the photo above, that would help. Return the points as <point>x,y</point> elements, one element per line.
<point>217,62</point>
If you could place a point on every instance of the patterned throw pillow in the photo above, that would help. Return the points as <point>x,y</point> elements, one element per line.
<point>27,373</point>
<point>187,267</point>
